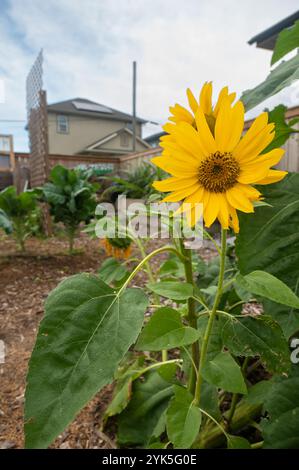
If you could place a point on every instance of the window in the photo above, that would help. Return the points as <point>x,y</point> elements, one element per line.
<point>4,144</point>
<point>62,124</point>
<point>4,161</point>
<point>124,139</point>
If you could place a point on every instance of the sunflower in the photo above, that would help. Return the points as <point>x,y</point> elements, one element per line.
<point>210,162</point>
<point>179,113</point>
<point>119,248</point>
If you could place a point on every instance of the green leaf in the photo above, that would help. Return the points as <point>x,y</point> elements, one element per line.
<point>223,372</point>
<point>150,398</point>
<point>172,289</point>
<point>283,130</point>
<point>258,392</point>
<point>288,39</point>
<point>281,77</point>
<point>87,329</point>
<point>266,285</point>
<point>257,336</point>
<point>183,419</point>
<point>111,270</point>
<point>281,427</point>
<point>165,330</point>
<point>237,442</point>
<point>123,388</point>
<point>215,345</point>
<point>172,267</point>
<point>209,400</point>
<point>5,222</point>
<point>269,241</point>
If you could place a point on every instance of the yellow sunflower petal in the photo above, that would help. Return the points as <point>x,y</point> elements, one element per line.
<point>258,136</point>
<point>257,170</point>
<point>238,199</point>
<point>273,177</point>
<point>252,193</point>
<point>180,114</point>
<point>205,98</point>
<point>194,215</point>
<point>256,146</point>
<point>177,196</point>
<point>234,220</point>
<point>169,127</point>
<point>171,149</point>
<point>272,157</point>
<point>229,125</point>
<point>175,167</point>
<point>211,208</point>
<point>223,214</point>
<point>174,184</point>
<point>190,140</point>
<point>192,101</point>
<point>206,137</point>
<point>223,95</point>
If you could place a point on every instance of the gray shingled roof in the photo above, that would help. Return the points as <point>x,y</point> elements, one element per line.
<point>68,107</point>
<point>267,38</point>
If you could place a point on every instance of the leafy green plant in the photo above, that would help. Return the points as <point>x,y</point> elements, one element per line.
<point>16,214</point>
<point>201,369</point>
<point>71,198</point>
<point>135,184</point>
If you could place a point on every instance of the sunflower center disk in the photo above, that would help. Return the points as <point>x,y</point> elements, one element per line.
<point>219,172</point>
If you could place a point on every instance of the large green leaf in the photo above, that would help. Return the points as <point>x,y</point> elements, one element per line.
<point>112,270</point>
<point>257,336</point>
<point>138,421</point>
<point>237,442</point>
<point>172,289</point>
<point>183,419</point>
<point>5,222</point>
<point>283,129</point>
<point>269,241</point>
<point>281,427</point>
<point>281,77</point>
<point>288,39</point>
<point>223,372</point>
<point>87,329</point>
<point>165,330</point>
<point>266,285</point>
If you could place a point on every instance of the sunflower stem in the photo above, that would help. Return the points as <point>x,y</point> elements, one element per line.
<point>192,319</point>
<point>208,331</point>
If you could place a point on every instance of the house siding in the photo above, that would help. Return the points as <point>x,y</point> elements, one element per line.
<point>83,132</point>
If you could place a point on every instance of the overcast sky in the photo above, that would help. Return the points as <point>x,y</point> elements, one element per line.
<point>89,46</point>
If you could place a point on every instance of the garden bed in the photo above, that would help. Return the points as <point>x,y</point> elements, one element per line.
<point>26,280</point>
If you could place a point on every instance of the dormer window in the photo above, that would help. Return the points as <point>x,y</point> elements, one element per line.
<point>62,124</point>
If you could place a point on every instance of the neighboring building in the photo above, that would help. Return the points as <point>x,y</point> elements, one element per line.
<point>81,126</point>
<point>154,139</point>
<point>7,161</point>
<point>267,39</point>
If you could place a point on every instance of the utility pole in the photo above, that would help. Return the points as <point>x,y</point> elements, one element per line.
<point>134,106</point>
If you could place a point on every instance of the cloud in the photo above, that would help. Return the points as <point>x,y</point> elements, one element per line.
<point>89,48</point>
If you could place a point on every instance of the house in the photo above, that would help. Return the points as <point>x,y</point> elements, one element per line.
<point>7,161</point>
<point>80,126</point>
<point>267,38</point>
<point>154,139</point>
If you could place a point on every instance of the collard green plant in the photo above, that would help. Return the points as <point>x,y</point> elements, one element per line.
<point>16,214</point>
<point>71,198</point>
<point>135,184</point>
